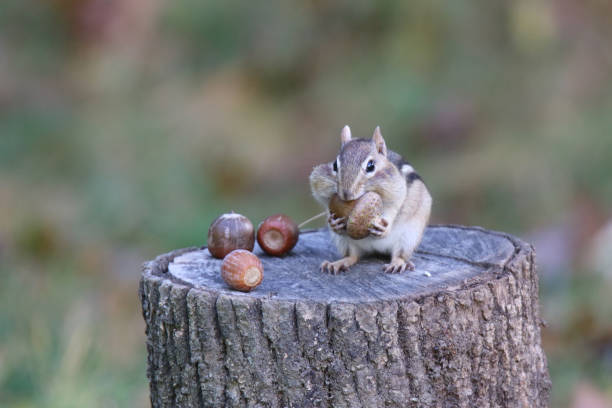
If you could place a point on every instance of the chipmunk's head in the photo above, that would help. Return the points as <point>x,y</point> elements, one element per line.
<point>360,164</point>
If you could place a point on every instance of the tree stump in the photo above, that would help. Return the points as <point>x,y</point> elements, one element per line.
<point>462,330</point>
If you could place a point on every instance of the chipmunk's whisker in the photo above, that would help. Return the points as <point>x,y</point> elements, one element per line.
<point>312,219</point>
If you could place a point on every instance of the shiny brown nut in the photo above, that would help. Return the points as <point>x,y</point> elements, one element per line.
<point>367,209</point>
<point>341,208</point>
<point>277,234</point>
<point>242,270</point>
<point>229,232</point>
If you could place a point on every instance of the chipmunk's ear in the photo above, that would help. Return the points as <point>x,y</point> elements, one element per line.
<point>345,136</point>
<point>379,142</point>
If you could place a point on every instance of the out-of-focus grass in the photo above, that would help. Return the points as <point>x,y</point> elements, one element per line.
<point>578,333</point>
<point>65,343</point>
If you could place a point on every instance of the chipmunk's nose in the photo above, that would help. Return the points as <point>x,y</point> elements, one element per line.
<point>346,195</point>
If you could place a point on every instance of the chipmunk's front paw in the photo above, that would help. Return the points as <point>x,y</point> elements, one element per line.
<point>379,228</point>
<point>337,224</point>
<point>335,268</point>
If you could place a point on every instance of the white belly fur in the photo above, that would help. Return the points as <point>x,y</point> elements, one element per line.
<point>403,236</point>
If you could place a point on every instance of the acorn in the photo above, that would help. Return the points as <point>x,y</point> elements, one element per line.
<point>341,208</point>
<point>242,270</point>
<point>277,234</point>
<point>359,213</point>
<point>229,232</point>
<point>367,209</point>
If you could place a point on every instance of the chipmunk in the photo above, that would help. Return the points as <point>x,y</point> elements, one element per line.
<point>367,165</point>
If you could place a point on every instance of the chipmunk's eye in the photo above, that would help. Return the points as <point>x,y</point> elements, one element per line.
<point>370,166</point>
<point>336,165</point>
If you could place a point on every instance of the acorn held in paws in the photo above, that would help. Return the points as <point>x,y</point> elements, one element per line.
<point>277,234</point>
<point>359,213</point>
<point>242,270</point>
<point>341,208</point>
<point>229,232</point>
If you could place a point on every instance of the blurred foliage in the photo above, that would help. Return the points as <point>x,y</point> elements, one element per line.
<point>127,126</point>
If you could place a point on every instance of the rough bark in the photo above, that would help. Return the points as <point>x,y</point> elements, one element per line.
<point>462,330</point>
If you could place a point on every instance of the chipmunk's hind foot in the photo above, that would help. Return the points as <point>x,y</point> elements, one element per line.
<point>336,267</point>
<point>398,265</point>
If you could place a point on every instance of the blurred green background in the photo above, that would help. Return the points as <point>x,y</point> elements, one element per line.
<point>127,126</point>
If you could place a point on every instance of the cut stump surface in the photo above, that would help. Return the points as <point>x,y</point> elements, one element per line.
<point>462,330</point>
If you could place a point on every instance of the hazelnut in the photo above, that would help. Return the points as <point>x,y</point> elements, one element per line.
<point>242,270</point>
<point>277,234</point>
<point>229,232</point>
<point>359,213</point>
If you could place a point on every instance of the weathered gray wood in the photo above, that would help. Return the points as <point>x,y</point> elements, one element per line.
<point>462,330</point>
